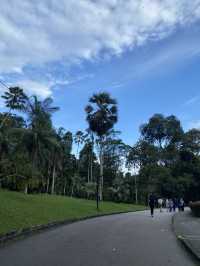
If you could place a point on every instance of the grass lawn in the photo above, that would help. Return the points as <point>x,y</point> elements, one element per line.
<point>19,211</point>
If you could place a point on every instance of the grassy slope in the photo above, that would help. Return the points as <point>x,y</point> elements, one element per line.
<point>19,211</point>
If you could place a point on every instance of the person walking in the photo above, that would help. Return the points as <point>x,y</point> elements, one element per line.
<point>152,201</point>
<point>167,204</point>
<point>174,204</point>
<point>182,204</point>
<point>170,205</point>
<point>160,204</point>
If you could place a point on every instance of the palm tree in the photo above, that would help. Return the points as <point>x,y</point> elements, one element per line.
<point>101,117</point>
<point>15,99</point>
<point>40,136</point>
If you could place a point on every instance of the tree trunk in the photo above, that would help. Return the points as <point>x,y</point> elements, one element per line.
<point>136,191</point>
<point>97,192</point>
<point>64,190</point>
<point>48,177</point>
<point>91,160</point>
<point>26,189</point>
<point>77,150</point>
<point>47,189</point>
<point>53,179</point>
<point>91,170</point>
<point>101,174</point>
<point>88,171</point>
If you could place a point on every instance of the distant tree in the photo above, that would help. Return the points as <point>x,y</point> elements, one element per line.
<point>101,117</point>
<point>154,131</point>
<point>162,130</point>
<point>141,154</point>
<point>114,151</point>
<point>79,139</point>
<point>174,131</point>
<point>191,141</point>
<point>87,160</point>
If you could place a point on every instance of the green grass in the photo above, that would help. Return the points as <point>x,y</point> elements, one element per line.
<point>19,211</point>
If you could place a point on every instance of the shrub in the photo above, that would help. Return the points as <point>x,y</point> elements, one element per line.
<point>195,207</point>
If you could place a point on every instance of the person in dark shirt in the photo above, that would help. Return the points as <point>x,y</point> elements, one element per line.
<point>175,204</point>
<point>152,201</point>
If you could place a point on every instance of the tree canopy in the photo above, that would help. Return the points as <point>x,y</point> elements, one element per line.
<point>37,157</point>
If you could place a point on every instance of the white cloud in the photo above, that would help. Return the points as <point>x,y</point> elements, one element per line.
<point>34,33</point>
<point>171,54</point>
<point>31,88</point>
<point>37,32</point>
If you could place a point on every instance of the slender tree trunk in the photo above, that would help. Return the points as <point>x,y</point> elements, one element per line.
<point>53,179</point>
<point>97,192</point>
<point>26,189</point>
<point>136,191</point>
<point>47,189</point>
<point>48,177</point>
<point>88,171</point>
<point>77,150</point>
<point>91,169</point>
<point>91,162</point>
<point>101,174</point>
<point>64,190</point>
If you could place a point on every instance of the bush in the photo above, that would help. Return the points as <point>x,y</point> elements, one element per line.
<point>195,207</point>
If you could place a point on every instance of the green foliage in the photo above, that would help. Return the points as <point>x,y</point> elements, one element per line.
<point>191,141</point>
<point>142,153</point>
<point>167,159</point>
<point>101,113</point>
<point>162,130</point>
<point>37,158</point>
<point>15,98</point>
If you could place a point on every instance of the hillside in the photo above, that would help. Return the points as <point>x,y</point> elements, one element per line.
<point>20,211</point>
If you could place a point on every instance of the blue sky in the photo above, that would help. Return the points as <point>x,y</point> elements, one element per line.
<point>145,53</point>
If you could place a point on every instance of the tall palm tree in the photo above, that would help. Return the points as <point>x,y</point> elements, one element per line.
<point>40,136</point>
<point>101,117</point>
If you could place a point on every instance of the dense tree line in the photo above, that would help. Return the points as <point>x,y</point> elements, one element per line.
<point>167,158</point>
<point>35,157</point>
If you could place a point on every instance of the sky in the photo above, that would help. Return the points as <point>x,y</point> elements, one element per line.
<point>145,53</point>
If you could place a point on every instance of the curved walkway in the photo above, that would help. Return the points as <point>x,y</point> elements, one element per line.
<point>119,240</point>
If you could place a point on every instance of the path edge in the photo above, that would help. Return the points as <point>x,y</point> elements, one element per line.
<point>29,231</point>
<point>186,244</point>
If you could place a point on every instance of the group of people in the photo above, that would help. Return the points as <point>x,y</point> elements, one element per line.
<point>169,204</point>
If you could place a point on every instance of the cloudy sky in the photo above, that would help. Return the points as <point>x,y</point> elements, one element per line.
<point>146,53</point>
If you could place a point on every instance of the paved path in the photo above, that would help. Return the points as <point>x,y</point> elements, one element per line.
<point>118,240</point>
<point>187,228</point>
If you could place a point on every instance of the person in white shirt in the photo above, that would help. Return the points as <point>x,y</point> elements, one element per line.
<point>167,204</point>
<point>160,203</point>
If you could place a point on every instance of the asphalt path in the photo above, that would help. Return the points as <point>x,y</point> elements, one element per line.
<point>118,240</point>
